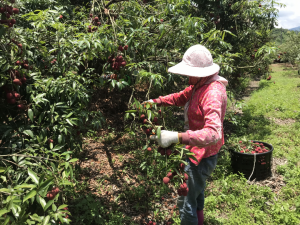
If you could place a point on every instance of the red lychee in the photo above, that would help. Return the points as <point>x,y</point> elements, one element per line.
<point>17,82</point>
<point>11,101</point>
<point>183,186</point>
<point>147,131</point>
<point>149,149</point>
<point>145,121</point>
<point>61,16</point>
<point>96,19</point>
<point>16,95</point>
<point>9,95</point>
<point>21,106</point>
<point>170,175</point>
<point>13,21</point>
<point>168,152</point>
<point>182,165</point>
<point>15,11</point>
<point>161,20</point>
<point>125,47</point>
<point>155,119</point>
<point>142,117</point>
<point>166,180</point>
<point>186,177</point>
<point>23,80</point>
<point>50,195</point>
<point>50,141</point>
<point>55,190</point>
<point>120,48</point>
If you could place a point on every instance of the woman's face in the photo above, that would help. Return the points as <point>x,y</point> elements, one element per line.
<point>193,80</point>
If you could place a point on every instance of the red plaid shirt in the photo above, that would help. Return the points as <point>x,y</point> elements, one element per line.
<point>206,114</point>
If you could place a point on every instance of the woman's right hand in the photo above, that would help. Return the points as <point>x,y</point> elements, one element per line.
<point>149,101</point>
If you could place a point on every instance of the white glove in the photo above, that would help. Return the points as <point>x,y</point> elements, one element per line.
<point>166,138</point>
<point>149,101</point>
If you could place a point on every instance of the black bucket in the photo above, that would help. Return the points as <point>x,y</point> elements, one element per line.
<point>243,163</point>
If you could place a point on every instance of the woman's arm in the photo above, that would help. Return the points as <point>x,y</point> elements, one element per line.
<point>178,99</point>
<point>213,103</point>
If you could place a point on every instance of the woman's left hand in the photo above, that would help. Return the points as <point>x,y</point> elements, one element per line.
<point>166,138</point>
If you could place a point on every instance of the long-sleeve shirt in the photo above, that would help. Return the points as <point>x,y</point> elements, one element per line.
<point>206,112</point>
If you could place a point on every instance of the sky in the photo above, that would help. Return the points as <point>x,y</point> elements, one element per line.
<point>289,16</point>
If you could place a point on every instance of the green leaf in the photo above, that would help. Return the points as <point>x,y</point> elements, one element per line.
<point>30,114</point>
<point>158,131</point>
<point>54,208</point>
<point>46,183</point>
<point>48,204</point>
<point>73,160</point>
<point>3,211</point>
<point>46,220</point>
<point>28,132</point>
<point>33,176</point>
<point>42,202</point>
<point>25,186</point>
<point>31,194</point>
<point>62,206</point>
<point>69,122</point>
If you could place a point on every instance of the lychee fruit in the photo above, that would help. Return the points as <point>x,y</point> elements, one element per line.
<point>147,131</point>
<point>11,101</point>
<point>186,177</point>
<point>50,195</point>
<point>15,11</point>
<point>61,16</point>
<point>50,141</point>
<point>166,180</point>
<point>161,20</point>
<point>96,19</point>
<point>17,82</point>
<point>16,95</point>
<point>125,47</point>
<point>145,121</point>
<point>21,106</point>
<point>170,175</point>
<point>149,149</point>
<point>120,48</point>
<point>182,166</point>
<point>55,190</point>
<point>155,119</point>
<point>23,80</point>
<point>168,152</point>
<point>9,95</point>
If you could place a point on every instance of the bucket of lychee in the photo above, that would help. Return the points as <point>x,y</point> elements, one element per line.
<point>253,159</point>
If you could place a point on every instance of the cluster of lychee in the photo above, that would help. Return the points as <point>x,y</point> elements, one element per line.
<point>24,64</point>
<point>117,62</point>
<point>183,188</point>
<point>253,148</point>
<point>95,22</point>
<point>7,11</point>
<point>145,121</point>
<point>51,194</point>
<point>269,77</point>
<point>20,46</point>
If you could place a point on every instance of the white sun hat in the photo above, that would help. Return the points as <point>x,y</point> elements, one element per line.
<point>197,61</point>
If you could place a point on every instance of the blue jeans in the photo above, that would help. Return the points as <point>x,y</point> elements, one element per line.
<point>194,200</point>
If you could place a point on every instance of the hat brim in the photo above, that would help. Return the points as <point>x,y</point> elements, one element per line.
<point>186,70</point>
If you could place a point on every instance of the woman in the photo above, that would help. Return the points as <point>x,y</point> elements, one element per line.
<point>204,104</point>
